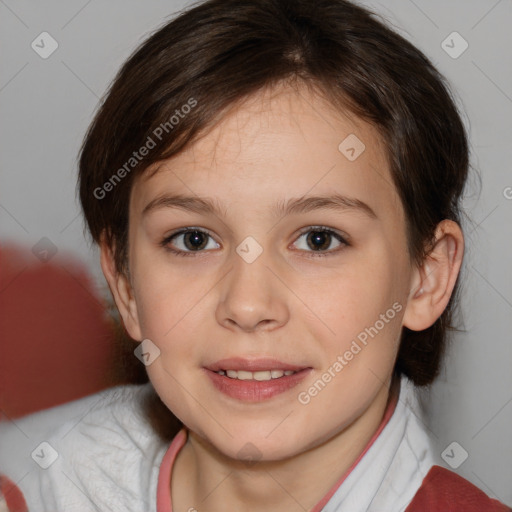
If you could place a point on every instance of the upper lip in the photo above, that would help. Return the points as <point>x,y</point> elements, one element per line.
<point>252,365</point>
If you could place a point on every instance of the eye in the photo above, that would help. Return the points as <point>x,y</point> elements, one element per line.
<point>187,241</point>
<point>190,240</point>
<point>320,239</point>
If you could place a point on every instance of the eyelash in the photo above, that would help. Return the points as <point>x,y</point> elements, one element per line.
<point>322,229</point>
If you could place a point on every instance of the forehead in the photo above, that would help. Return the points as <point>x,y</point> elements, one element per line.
<point>278,144</point>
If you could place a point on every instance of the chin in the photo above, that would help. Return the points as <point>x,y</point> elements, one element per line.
<point>260,444</point>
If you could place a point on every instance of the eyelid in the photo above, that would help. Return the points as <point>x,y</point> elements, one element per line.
<point>343,238</point>
<point>186,229</point>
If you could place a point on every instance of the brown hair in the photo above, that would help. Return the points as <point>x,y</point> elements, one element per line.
<point>190,71</point>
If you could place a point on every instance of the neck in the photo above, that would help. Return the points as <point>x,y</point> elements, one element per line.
<point>209,481</point>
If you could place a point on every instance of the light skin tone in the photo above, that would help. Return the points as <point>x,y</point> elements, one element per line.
<point>289,304</point>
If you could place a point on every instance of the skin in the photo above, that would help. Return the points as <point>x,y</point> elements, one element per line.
<point>288,304</point>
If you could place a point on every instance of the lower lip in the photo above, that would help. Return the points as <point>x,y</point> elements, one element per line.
<point>256,390</point>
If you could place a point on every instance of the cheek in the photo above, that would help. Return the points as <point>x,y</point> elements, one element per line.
<point>357,293</point>
<point>164,303</point>
<point>362,311</point>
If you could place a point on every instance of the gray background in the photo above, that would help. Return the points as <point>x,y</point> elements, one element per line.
<point>47,104</point>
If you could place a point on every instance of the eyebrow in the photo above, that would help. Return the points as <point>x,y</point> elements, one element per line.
<point>305,204</point>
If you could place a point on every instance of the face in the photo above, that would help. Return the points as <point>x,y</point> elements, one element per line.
<point>251,277</point>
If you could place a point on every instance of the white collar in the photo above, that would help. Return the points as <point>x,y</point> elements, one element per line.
<point>392,470</point>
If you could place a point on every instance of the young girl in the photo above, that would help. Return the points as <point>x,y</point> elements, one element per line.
<point>274,186</point>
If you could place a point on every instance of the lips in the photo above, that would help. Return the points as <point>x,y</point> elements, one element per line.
<point>254,380</point>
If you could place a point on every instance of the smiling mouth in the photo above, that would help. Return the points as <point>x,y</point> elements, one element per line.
<point>257,380</point>
<point>263,375</point>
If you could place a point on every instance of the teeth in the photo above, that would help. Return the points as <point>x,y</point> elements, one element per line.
<point>265,375</point>
<point>260,376</point>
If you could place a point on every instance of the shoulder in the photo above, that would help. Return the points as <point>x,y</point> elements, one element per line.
<point>445,490</point>
<point>105,456</point>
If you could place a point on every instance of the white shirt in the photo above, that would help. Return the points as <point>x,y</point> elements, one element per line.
<point>109,457</point>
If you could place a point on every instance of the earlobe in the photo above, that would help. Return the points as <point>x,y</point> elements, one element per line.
<point>433,282</point>
<point>121,290</point>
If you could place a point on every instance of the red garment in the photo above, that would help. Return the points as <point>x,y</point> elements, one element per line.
<point>11,496</point>
<point>445,491</point>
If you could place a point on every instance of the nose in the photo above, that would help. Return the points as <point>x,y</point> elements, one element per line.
<point>252,297</point>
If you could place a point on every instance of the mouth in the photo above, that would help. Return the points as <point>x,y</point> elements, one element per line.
<point>254,380</point>
<point>260,376</point>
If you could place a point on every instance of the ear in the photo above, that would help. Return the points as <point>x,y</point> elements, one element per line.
<point>433,282</point>
<point>121,290</point>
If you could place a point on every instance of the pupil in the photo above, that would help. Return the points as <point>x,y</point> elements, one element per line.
<point>196,238</point>
<point>319,237</point>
